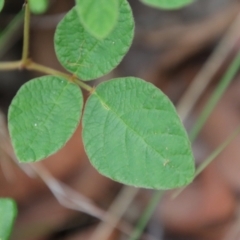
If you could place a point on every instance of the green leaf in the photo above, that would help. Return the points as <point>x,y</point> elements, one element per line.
<point>43,116</point>
<point>98,17</point>
<point>87,57</point>
<point>8,213</point>
<point>167,4</point>
<point>132,134</point>
<point>1,7</point>
<point>38,6</point>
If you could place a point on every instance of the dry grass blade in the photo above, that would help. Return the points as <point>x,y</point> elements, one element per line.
<point>210,68</point>
<point>118,208</point>
<point>65,195</point>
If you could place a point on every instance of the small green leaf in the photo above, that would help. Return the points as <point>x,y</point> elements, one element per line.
<point>8,213</point>
<point>167,4</point>
<point>132,134</point>
<point>87,57</point>
<point>98,17</point>
<point>43,116</point>
<point>1,7</point>
<point>38,6</point>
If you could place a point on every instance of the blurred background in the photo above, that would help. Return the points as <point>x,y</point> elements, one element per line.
<point>183,52</point>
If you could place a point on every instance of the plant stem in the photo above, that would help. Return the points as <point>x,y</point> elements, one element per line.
<point>40,68</point>
<point>30,65</point>
<point>5,66</point>
<point>145,217</point>
<point>26,34</point>
<point>217,94</point>
<point>82,84</point>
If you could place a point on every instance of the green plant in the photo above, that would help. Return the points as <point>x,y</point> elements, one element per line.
<point>8,212</point>
<point>152,153</point>
<point>131,131</point>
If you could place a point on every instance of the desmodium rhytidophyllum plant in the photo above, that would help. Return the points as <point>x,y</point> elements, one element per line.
<point>131,131</point>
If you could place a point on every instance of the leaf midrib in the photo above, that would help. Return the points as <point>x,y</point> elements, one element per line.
<point>129,127</point>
